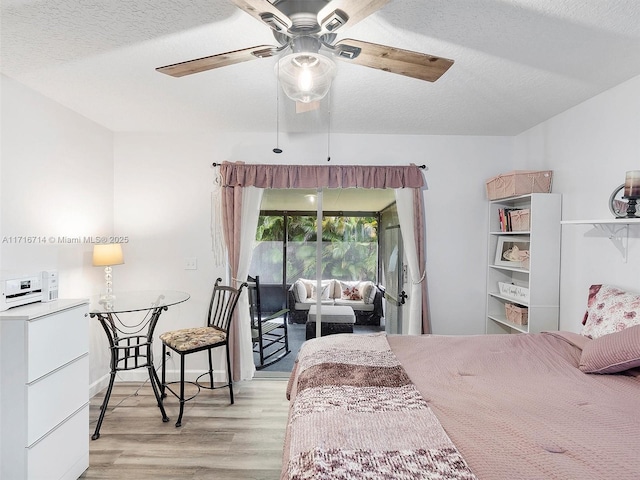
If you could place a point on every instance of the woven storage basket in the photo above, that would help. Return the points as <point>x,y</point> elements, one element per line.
<point>519,182</point>
<point>516,314</point>
<point>519,220</point>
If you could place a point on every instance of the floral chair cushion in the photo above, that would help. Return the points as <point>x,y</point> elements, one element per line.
<point>188,339</point>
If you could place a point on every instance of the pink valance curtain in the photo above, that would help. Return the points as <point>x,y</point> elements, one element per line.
<point>320,176</point>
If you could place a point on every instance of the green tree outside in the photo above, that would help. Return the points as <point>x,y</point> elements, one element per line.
<point>349,248</point>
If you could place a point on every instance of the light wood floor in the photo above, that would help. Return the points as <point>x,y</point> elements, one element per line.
<point>216,441</point>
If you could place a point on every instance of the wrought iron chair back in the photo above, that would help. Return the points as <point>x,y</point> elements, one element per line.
<point>223,303</point>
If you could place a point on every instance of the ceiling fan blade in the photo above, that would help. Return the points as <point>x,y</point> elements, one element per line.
<point>216,61</point>
<point>394,60</point>
<point>302,107</point>
<point>265,12</point>
<point>339,13</point>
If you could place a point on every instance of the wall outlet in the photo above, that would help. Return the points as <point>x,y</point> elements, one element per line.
<point>191,263</point>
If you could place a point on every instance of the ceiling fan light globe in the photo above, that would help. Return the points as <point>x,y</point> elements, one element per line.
<point>305,80</point>
<point>305,77</point>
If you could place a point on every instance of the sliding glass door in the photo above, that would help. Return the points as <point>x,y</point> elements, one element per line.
<point>287,249</point>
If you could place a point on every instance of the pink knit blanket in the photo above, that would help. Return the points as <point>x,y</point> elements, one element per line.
<point>357,415</point>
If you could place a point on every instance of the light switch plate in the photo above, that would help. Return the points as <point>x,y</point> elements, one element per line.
<point>191,263</point>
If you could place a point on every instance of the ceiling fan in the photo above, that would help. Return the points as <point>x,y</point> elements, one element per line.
<point>307,28</point>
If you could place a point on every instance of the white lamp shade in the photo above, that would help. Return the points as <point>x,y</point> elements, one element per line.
<point>305,77</point>
<point>108,254</point>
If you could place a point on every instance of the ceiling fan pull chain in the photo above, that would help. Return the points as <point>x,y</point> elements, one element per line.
<point>278,149</point>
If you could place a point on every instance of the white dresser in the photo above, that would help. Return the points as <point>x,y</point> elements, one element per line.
<point>44,391</point>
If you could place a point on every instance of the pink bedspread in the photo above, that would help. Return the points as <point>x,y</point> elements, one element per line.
<point>516,407</point>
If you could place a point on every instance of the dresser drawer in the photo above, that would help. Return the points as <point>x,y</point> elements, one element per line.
<point>54,340</point>
<point>54,397</point>
<point>63,453</point>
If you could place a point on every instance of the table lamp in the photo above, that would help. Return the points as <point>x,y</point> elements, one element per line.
<point>107,255</point>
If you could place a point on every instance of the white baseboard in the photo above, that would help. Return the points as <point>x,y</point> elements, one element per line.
<point>98,385</point>
<point>141,375</point>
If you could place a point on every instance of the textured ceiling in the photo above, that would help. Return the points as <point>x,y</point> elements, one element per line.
<point>517,63</point>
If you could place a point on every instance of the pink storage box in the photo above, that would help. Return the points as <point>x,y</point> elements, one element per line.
<point>519,182</point>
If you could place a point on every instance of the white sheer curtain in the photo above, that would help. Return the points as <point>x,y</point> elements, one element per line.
<point>251,199</point>
<point>406,216</point>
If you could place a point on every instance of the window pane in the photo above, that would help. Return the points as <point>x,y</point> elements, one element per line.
<point>268,252</point>
<point>350,248</point>
<point>301,247</point>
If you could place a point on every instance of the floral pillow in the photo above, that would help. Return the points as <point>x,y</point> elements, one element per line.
<point>610,310</point>
<point>350,291</point>
<point>351,294</point>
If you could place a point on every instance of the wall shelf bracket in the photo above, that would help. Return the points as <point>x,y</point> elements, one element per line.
<point>619,236</point>
<point>616,230</point>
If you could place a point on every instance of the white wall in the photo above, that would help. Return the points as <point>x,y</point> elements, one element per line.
<point>56,181</point>
<point>589,147</point>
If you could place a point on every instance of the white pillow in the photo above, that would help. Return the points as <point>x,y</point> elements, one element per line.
<point>308,284</point>
<point>368,292</point>
<point>336,289</point>
<point>326,290</point>
<point>299,291</point>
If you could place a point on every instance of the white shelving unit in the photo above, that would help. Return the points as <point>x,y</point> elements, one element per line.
<point>44,395</point>
<point>542,275</point>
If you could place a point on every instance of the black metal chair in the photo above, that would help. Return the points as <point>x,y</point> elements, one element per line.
<point>190,340</point>
<point>269,334</point>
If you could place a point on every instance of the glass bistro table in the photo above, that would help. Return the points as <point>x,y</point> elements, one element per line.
<point>131,336</point>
